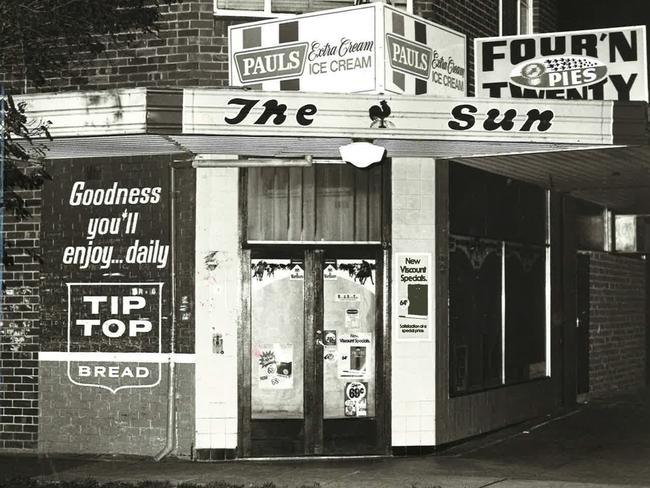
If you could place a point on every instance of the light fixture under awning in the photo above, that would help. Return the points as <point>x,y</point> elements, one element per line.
<point>221,161</point>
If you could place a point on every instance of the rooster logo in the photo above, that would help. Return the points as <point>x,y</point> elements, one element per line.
<point>378,114</point>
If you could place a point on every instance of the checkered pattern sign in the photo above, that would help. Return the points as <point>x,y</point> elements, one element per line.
<point>371,48</point>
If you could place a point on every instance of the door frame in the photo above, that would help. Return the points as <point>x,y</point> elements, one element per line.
<point>313,363</point>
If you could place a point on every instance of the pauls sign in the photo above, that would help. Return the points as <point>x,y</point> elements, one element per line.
<point>364,49</point>
<point>605,64</point>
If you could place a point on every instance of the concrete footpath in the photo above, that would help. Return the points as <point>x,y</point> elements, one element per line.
<point>604,443</point>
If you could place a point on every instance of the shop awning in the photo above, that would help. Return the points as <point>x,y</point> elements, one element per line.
<point>594,150</point>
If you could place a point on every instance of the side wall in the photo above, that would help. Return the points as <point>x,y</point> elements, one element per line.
<point>617,355</point>
<point>98,414</point>
<point>19,328</point>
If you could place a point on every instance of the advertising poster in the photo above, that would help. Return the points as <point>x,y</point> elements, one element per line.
<point>603,64</point>
<point>354,351</point>
<point>356,399</point>
<point>275,366</point>
<point>414,296</point>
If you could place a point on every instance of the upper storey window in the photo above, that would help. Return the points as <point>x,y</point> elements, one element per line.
<point>515,17</point>
<point>287,8</point>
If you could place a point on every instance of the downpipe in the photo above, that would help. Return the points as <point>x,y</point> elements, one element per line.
<point>171,391</point>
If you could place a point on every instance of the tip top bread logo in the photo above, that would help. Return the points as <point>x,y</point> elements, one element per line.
<point>274,63</point>
<point>559,72</point>
<point>106,320</point>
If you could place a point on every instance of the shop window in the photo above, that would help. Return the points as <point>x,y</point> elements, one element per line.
<point>525,313</point>
<point>515,17</point>
<point>498,281</point>
<point>280,8</point>
<point>324,202</point>
<point>475,314</point>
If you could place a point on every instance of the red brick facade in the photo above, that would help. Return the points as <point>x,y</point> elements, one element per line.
<point>617,356</point>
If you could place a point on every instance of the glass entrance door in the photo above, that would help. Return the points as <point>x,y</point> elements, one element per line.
<point>316,354</point>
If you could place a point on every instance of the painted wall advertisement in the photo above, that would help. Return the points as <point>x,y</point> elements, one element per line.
<point>603,64</point>
<point>369,48</point>
<point>414,296</point>
<point>114,255</point>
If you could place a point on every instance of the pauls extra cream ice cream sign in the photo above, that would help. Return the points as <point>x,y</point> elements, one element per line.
<point>370,48</point>
<point>608,64</point>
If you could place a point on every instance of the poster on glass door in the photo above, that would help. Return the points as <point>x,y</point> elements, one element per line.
<point>354,354</point>
<point>275,366</point>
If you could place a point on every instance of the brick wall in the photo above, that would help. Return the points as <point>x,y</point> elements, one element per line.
<point>190,50</point>
<point>545,15</point>
<point>66,225</point>
<point>36,393</point>
<point>19,340</point>
<point>617,323</point>
<point>474,19</point>
<point>85,419</point>
<point>82,420</point>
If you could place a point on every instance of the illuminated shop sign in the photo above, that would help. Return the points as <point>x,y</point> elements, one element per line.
<point>604,64</point>
<point>365,49</point>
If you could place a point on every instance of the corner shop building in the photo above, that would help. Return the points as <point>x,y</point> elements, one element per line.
<point>301,305</point>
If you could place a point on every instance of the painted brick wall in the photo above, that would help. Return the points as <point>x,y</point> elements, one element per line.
<point>82,420</point>
<point>85,419</point>
<point>65,225</point>
<point>19,341</point>
<point>617,323</point>
<point>34,319</point>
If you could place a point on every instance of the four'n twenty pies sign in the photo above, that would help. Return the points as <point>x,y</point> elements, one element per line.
<point>603,64</point>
